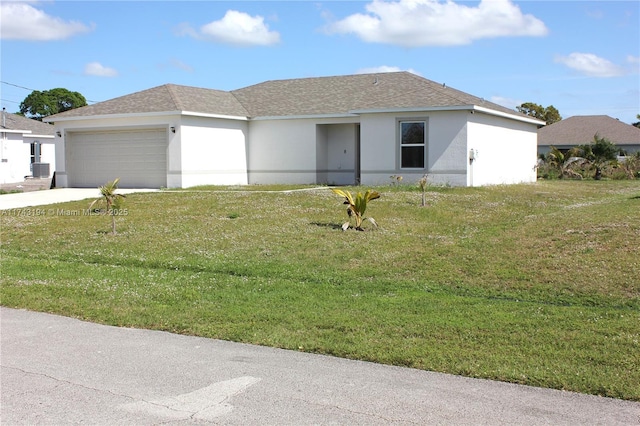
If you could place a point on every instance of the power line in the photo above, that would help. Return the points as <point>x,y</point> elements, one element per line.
<point>33,90</point>
<point>15,85</point>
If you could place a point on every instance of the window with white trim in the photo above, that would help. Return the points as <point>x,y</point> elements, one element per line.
<point>413,144</point>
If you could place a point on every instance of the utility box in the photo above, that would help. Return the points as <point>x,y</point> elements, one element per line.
<point>40,170</point>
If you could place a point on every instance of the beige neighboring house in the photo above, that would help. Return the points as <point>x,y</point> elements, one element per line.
<point>27,148</point>
<point>341,130</point>
<point>580,129</point>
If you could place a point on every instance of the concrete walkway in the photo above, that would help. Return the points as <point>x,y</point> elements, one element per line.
<point>53,196</point>
<point>57,370</point>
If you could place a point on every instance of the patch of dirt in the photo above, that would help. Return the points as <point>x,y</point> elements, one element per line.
<point>27,185</point>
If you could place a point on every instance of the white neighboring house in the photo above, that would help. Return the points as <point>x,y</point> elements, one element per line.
<point>344,130</point>
<point>27,146</point>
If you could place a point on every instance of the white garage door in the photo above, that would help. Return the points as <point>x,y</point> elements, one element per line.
<point>138,158</point>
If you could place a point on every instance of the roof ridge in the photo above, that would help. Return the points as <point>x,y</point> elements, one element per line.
<point>174,97</point>
<point>322,77</point>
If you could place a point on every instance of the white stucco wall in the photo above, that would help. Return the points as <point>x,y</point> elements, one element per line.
<point>377,148</point>
<point>209,150</point>
<point>282,151</point>
<point>15,158</point>
<point>213,151</point>
<point>15,155</point>
<point>302,151</point>
<point>506,151</point>
<point>447,148</point>
<point>446,144</point>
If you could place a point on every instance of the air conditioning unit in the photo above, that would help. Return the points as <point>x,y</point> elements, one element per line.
<point>40,170</point>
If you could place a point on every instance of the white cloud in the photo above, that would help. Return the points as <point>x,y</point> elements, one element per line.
<point>633,59</point>
<point>176,63</point>
<point>384,68</point>
<point>21,21</point>
<point>235,28</point>
<point>99,70</point>
<point>590,65</point>
<point>506,102</point>
<point>413,23</point>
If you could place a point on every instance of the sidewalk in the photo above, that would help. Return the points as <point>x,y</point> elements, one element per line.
<point>53,196</point>
<point>58,370</point>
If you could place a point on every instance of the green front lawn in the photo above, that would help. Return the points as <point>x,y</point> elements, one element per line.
<point>536,284</point>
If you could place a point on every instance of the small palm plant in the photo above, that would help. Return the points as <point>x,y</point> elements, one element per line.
<point>423,186</point>
<point>111,199</point>
<point>562,162</point>
<point>357,207</point>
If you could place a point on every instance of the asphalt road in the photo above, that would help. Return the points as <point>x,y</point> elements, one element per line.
<point>60,371</point>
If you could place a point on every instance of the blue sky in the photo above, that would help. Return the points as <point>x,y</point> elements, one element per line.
<point>583,57</point>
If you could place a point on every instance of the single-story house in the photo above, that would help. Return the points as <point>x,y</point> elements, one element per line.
<point>27,148</point>
<point>580,130</point>
<point>344,130</point>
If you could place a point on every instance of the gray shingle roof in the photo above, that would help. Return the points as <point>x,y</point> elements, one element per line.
<point>342,94</point>
<point>166,98</point>
<point>18,122</point>
<point>580,129</point>
<point>295,97</point>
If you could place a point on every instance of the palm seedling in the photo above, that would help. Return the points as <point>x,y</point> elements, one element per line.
<point>111,199</point>
<point>423,186</point>
<point>356,207</point>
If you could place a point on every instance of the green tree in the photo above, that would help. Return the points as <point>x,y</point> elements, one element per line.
<point>112,200</point>
<point>43,104</point>
<point>599,153</point>
<point>549,114</point>
<point>637,123</point>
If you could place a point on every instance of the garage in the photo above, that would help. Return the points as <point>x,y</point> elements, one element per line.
<point>138,157</point>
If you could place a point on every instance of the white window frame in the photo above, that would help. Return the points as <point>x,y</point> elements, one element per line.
<point>425,124</point>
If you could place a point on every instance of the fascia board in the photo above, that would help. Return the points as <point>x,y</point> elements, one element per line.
<point>413,109</point>
<point>525,119</point>
<point>473,108</point>
<point>143,115</point>
<point>40,136</point>
<point>304,117</point>
<point>24,132</point>
<point>112,116</point>
<point>222,116</point>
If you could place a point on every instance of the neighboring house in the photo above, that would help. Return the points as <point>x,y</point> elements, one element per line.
<point>581,129</point>
<point>27,146</point>
<point>329,130</point>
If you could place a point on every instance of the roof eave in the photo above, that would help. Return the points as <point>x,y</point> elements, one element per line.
<point>15,131</point>
<point>522,118</point>
<point>412,109</point>
<point>222,116</point>
<point>53,119</point>
<point>471,108</point>
<point>305,116</point>
<point>40,136</point>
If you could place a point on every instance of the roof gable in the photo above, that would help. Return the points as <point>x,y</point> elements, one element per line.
<point>580,129</point>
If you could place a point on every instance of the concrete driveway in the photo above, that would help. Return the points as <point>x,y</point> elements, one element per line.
<point>53,196</point>
<point>57,370</point>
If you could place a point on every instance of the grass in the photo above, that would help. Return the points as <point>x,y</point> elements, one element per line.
<point>535,284</point>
